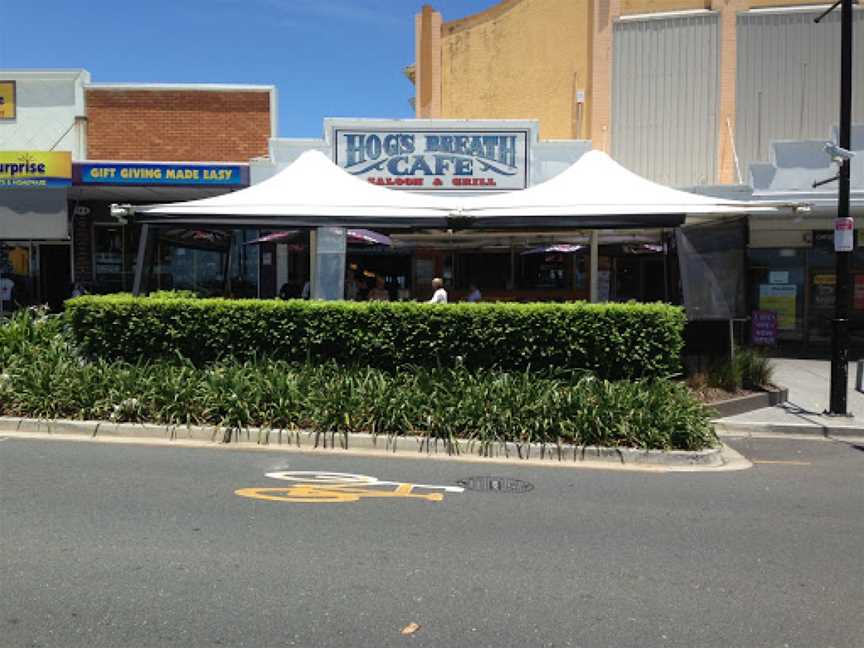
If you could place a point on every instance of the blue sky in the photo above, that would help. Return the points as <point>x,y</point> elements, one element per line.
<point>328,58</point>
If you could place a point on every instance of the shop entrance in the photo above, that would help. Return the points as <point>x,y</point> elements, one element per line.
<point>366,267</point>
<point>55,275</point>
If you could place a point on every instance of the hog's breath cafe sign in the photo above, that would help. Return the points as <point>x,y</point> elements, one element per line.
<point>454,160</point>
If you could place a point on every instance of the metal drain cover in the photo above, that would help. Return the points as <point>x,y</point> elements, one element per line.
<point>496,484</point>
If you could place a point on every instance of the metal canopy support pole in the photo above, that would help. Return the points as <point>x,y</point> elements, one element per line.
<point>843,283</point>
<point>226,287</point>
<point>313,262</point>
<point>595,267</point>
<point>144,237</point>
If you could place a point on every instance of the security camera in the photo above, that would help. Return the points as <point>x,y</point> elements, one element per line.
<point>837,153</point>
<point>121,212</point>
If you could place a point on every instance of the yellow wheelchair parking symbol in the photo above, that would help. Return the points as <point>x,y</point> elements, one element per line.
<point>313,487</point>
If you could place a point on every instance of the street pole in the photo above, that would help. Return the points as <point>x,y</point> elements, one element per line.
<point>843,280</point>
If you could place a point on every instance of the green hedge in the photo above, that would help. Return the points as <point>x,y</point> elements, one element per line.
<point>612,340</point>
<point>43,375</point>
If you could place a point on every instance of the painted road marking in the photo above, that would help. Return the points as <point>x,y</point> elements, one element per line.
<point>316,487</point>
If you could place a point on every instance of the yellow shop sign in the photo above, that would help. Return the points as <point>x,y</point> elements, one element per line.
<point>8,104</point>
<point>35,169</point>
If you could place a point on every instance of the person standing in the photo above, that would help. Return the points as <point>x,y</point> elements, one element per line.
<point>351,287</point>
<point>379,292</point>
<point>6,288</point>
<point>440,295</point>
<point>78,289</point>
<point>474,294</point>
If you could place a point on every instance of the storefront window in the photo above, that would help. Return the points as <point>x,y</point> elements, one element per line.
<point>244,264</point>
<point>15,273</point>
<point>822,286</point>
<point>366,266</point>
<point>545,271</point>
<point>777,283</point>
<point>486,270</point>
<point>197,260</point>
<point>638,276</point>
<point>113,258</point>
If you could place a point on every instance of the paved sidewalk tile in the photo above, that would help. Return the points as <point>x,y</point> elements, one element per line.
<point>808,384</point>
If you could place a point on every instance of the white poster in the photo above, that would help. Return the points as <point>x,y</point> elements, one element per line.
<point>844,234</point>
<point>439,160</point>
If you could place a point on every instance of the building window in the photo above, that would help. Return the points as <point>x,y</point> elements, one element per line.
<point>545,271</point>
<point>112,257</point>
<point>777,283</point>
<point>15,267</point>
<point>197,260</point>
<point>486,270</point>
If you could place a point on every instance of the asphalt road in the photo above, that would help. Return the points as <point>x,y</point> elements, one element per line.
<point>120,545</point>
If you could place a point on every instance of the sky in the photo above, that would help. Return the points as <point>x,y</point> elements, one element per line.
<point>327,58</point>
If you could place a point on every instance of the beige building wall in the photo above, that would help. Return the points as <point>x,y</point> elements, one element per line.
<point>603,17</point>
<point>520,59</point>
<point>551,60</point>
<point>427,68</point>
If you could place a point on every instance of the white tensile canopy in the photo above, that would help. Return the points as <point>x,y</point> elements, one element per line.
<point>594,193</point>
<point>594,189</point>
<point>311,192</point>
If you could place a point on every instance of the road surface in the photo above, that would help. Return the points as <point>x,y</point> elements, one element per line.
<point>110,545</point>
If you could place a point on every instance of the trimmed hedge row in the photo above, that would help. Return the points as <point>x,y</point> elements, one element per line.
<point>614,341</point>
<point>42,375</point>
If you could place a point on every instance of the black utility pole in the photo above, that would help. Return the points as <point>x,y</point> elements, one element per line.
<point>843,281</point>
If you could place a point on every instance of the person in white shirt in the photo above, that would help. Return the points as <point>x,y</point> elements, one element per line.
<point>474,294</point>
<point>440,296</point>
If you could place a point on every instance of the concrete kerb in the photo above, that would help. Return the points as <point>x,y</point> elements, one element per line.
<point>739,428</point>
<point>712,459</point>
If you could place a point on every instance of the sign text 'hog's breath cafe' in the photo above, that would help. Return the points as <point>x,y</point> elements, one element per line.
<point>435,159</point>
<point>437,156</point>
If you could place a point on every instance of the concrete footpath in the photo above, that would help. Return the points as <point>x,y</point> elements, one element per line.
<point>808,382</point>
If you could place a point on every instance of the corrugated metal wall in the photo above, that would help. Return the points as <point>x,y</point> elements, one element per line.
<point>665,89</point>
<point>789,79</point>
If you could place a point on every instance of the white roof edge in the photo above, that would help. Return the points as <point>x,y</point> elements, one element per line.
<point>202,87</point>
<point>45,72</point>
<point>810,8</point>
<point>660,15</point>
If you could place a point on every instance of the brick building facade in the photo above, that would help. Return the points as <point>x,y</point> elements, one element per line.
<point>191,124</point>
<point>129,143</point>
<point>195,123</point>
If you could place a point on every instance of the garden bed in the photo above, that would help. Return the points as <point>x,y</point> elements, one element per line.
<point>45,377</point>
